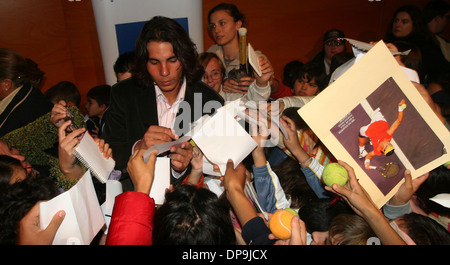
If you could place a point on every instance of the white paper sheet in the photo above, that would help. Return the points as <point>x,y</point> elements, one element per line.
<point>208,168</point>
<point>365,47</point>
<point>443,199</point>
<point>84,217</point>
<point>214,185</point>
<point>113,188</point>
<point>161,181</point>
<point>222,137</point>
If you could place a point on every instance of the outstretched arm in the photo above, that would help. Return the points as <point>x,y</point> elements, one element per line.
<point>293,143</point>
<point>234,182</point>
<point>355,195</point>
<point>196,176</point>
<point>132,217</point>
<point>396,124</point>
<point>267,184</point>
<point>311,168</point>
<point>399,205</point>
<point>67,160</point>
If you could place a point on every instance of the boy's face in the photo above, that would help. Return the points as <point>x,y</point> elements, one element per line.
<point>304,88</point>
<point>93,109</point>
<point>213,74</point>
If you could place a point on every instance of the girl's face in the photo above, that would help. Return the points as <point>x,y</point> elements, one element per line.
<point>213,75</point>
<point>403,25</point>
<point>223,28</point>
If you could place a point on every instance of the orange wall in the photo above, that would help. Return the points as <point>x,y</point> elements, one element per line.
<point>285,30</point>
<point>61,36</point>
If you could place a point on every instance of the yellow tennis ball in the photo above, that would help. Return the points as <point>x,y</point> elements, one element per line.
<point>403,106</point>
<point>334,173</point>
<point>280,224</point>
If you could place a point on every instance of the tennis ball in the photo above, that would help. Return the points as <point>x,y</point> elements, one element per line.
<point>334,173</point>
<point>403,106</point>
<point>294,212</point>
<point>280,223</point>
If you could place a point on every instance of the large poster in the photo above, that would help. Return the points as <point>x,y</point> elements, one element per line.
<point>119,23</point>
<point>374,118</point>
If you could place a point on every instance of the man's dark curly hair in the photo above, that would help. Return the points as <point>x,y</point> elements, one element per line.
<point>17,200</point>
<point>163,29</point>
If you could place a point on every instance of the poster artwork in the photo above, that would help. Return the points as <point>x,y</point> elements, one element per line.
<point>378,134</point>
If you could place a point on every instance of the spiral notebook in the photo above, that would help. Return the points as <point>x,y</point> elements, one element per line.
<point>89,154</point>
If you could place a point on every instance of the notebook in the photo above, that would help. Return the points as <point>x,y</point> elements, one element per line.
<point>89,154</point>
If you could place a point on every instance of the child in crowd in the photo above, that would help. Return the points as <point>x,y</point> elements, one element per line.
<point>258,90</point>
<point>123,67</point>
<point>309,81</point>
<point>66,91</point>
<point>97,109</point>
<point>19,209</point>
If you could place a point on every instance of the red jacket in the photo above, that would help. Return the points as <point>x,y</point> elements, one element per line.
<point>132,220</point>
<point>282,91</point>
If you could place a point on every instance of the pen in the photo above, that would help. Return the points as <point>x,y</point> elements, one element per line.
<point>334,201</point>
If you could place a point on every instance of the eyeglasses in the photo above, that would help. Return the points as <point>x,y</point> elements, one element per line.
<point>213,76</point>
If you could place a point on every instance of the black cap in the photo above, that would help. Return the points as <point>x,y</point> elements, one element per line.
<point>333,34</point>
